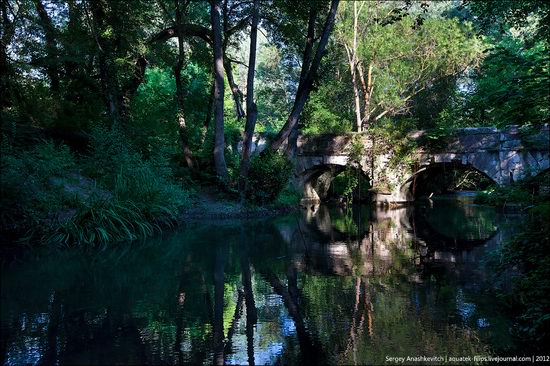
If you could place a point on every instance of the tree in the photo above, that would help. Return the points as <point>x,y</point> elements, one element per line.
<point>391,59</point>
<point>310,66</point>
<point>219,141</point>
<point>251,108</point>
<point>511,85</point>
<point>181,7</point>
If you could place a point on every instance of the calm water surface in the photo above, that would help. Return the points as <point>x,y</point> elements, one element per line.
<point>326,285</point>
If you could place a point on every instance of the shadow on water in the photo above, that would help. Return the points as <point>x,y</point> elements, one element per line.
<point>328,285</point>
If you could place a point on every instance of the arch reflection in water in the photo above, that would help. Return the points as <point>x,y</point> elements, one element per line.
<point>329,285</point>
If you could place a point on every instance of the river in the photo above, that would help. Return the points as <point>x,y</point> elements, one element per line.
<point>324,285</point>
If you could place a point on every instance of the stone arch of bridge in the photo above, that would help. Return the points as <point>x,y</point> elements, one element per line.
<point>316,180</point>
<point>407,189</point>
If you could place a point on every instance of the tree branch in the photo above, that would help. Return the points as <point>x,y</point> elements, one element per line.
<point>187,30</point>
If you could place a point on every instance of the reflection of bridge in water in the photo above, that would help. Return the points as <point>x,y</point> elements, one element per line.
<point>365,242</point>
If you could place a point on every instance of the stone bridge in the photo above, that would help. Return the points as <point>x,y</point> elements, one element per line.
<point>504,156</point>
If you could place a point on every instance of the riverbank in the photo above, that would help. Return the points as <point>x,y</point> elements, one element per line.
<point>211,204</point>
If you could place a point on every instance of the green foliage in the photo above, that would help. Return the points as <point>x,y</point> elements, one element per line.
<point>274,99</point>
<point>154,108</point>
<point>28,195</point>
<point>501,196</point>
<point>530,17</point>
<point>392,136</point>
<point>407,59</point>
<point>529,252</point>
<point>269,174</point>
<point>529,191</point>
<point>512,85</point>
<point>326,110</point>
<point>435,138</point>
<point>405,56</point>
<point>351,185</point>
<point>102,222</point>
<point>288,197</point>
<point>42,190</point>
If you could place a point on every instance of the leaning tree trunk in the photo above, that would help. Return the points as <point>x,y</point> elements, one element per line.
<point>303,93</point>
<point>251,110</point>
<point>235,91</point>
<point>219,142</point>
<point>306,62</point>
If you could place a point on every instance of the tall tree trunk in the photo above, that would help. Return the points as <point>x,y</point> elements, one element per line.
<point>182,127</point>
<point>368,87</point>
<point>308,49</point>
<point>107,69</point>
<point>51,63</point>
<point>251,109</point>
<point>356,96</point>
<point>208,117</point>
<point>219,142</point>
<point>367,92</point>
<point>132,86</point>
<point>235,91</point>
<point>351,52</point>
<point>303,95</point>
<point>6,71</point>
<point>211,98</point>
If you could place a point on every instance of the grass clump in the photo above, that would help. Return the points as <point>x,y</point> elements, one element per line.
<point>144,194</point>
<point>102,222</point>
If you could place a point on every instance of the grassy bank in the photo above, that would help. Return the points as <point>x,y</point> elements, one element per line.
<point>115,192</point>
<point>112,193</point>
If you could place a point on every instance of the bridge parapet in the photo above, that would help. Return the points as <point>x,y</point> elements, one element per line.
<point>504,155</point>
<point>477,139</point>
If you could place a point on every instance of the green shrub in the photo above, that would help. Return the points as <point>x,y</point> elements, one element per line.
<point>529,252</point>
<point>288,196</point>
<point>269,174</point>
<point>144,193</point>
<point>529,191</point>
<point>156,197</point>
<point>44,195</point>
<point>28,195</point>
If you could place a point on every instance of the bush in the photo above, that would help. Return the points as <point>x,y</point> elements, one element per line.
<point>529,191</point>
<point>119,167</point>
<point>269,174</point>
<point>144,193</point>
<point>28,195</point>
<point>529,252</point>
<point>288,196</point>
<point>43,192</point>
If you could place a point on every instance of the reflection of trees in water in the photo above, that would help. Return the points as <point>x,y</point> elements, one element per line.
<point>351,291</point>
